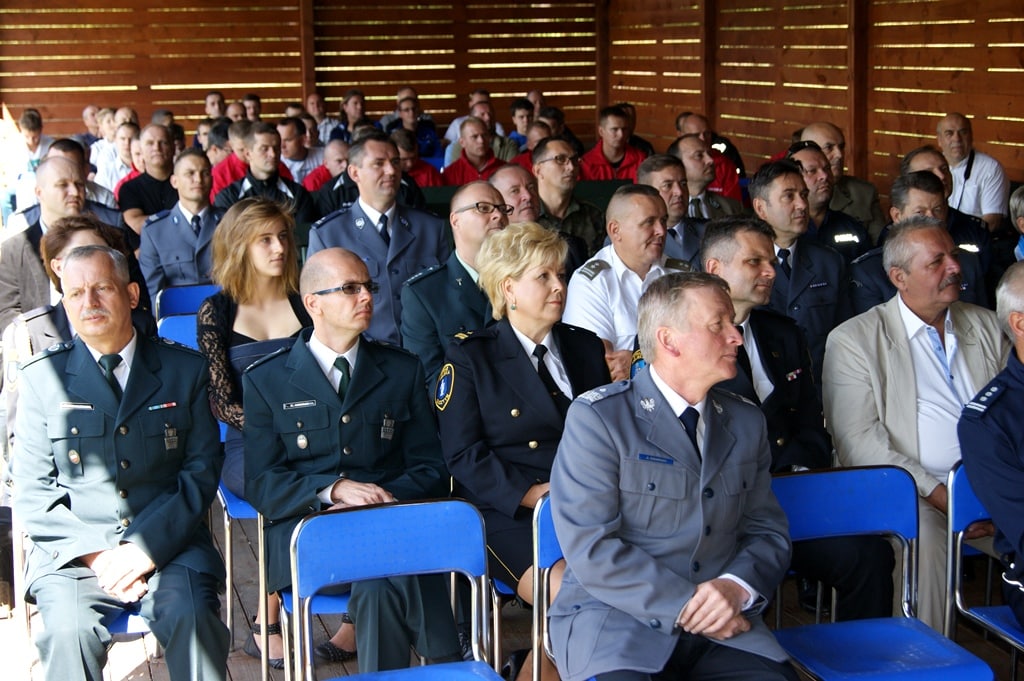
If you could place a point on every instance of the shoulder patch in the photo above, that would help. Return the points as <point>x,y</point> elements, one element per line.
<point>443,389</point>
<point>678,265</point>
<point>424,274</point>
<point>54,349</point>
<point>593,268</point>
<point>598,394</point>
<point>330,216</point>
<point>980,404</point>
<point>158,216</point>
<point>267,357</point>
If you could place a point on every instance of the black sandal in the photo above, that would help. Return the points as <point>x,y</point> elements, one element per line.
<point>328,652</point>
<point>252,648</point>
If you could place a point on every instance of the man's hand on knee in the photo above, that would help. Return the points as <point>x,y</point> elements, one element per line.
<point>121,572</point>
<point>712,607</point>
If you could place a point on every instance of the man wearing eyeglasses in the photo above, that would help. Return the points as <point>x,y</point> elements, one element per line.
<point>445,300</point>
<point>394,241</point>
<point>557,168</point>
<point>339,421</point>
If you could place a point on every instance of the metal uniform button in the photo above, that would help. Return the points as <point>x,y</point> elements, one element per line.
<point>56,553</point>
<point>708,493</point>
<point>346,451</point>
<point>74,430</point>
<point>123,493</point>
<point>346,418</point>
<point>298,424</point>
<point>651,486</point>
<point>126,464</point>
<point>125,522</point>
<point>515,413</point>
<point>123,430</point>
<point>696,566</point>
<point>655,624</point>
<point>781,441</point>
<point>73,457</point>
<point>533,444</point>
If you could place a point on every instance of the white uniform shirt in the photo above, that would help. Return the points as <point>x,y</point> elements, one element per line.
<point>986,192</point>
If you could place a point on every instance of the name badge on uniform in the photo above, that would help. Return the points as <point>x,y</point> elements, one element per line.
<point>170,437</point>
<point>387,430</point>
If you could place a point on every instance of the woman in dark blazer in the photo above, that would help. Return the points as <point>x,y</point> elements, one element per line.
<point>501,410</point>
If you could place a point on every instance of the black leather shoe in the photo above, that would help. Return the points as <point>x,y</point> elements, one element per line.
<point>510,670</point>
<point>252,648</point>
<point>328,652</point>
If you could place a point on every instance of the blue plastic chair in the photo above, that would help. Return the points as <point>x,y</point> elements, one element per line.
<point>234,508</point>
<point>964,509</point>
<point>175,300</point>
<point>180,328</point>
<point>546,552</point>
<point>857,501</point>
<point>389,540</point>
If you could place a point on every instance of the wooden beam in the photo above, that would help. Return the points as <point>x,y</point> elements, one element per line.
<point>857,93</point>
<point>709,77</point>
<point>307,49</point>
<point>602,56</point>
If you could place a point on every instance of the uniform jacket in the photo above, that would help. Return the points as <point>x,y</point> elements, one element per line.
<point>499,426</point>
<point>418,242</point>
<point>796,427</point>
<point>843,233</point>
<point>437,304</point>
<point>171,255</point>
<point>300,437</point>
<point>870,393</point>
<point>815,295</point>
<point>276,189</point>
<point>91,473</point>
<point>642,520</point>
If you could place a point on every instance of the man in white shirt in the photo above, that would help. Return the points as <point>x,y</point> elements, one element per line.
<point>604,293</point>
<point>897,377</point>
<point>980,186</point>
<point>300,159</point>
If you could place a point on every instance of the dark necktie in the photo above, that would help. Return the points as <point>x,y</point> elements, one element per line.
<point>197,224</point>
<point>341,364</point>
<point>784,261</point>
<point>689,418</point>
<point>108,363</point>
<point>744,382</point>
<point>742,358</point>
<point>559,398</point>
<point>384,230</point>
<point>695,210</point>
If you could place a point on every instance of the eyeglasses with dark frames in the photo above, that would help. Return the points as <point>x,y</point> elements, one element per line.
<point>563,159</point>
<point>351,288</point>
<point>486,207</point>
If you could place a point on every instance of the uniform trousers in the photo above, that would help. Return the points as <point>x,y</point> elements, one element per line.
<point>860,569</point>
<point>696,658</point>
<point>182,609</point>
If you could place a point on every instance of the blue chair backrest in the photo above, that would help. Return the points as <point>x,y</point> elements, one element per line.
<point>388,540</point>
<point>848,501</point>
<point>964,506</point>
<point>548,552</point>
<point>175,300</point>
<point>179,328</point>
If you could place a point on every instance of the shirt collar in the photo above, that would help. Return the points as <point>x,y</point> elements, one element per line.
<point>325,356</point>
<point>127,352</point>
<point>529,345</point>
<point>188,215</point>
<point>374,215</point>
<point>674,399</point>
<point>913,324</point>
<point>621,270</point>
<point>473,274</point>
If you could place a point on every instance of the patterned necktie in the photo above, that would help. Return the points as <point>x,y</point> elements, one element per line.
<point>559,398</point>
<point>384,230</point>
<point>341,364</point>
<point>689,418</point>
<point>784,261</point>
<point>197,224</point>
<point>108,363</point>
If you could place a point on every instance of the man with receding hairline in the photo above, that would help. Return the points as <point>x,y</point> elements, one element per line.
<point>980,185</point>
<point>150,192</point>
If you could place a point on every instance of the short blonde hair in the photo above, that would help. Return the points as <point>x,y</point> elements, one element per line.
<point>510,252</point>
<point>238,229</point>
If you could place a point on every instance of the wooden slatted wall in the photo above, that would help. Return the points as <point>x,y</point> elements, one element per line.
<point>446,49</point>
<point>61,56</point>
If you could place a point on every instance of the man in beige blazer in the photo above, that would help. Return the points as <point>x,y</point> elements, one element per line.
<point>896,378</point>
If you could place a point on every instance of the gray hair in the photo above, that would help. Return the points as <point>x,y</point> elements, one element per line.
<point>1010,295</point>
<point>665,303</point>
<point>897,251</point>
<point>1017,206</point>
<point>89,252</point>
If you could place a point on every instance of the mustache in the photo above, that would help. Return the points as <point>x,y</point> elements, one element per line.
<point>952,280</point>
<point>93,312</point>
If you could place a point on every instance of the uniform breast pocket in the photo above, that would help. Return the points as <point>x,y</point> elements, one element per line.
<point>736,481</point>
<point>384,426</point>
<point>651,496</point>
<point>77,439</point>
<point>305,431</point>
<point>166,433</point>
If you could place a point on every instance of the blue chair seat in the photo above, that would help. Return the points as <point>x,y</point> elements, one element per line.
<point>1000,619</point>
<point>891,648</point>
<point>454,671</point>
<point>129,623</point>
<point>237,507</point>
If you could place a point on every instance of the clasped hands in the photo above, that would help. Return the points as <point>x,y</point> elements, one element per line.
<point>715,610</point>
<point>121,571</point>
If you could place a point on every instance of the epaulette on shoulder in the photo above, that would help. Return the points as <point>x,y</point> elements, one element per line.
<point>393,346</point>
<point>594,268</point>
<point>330,216</point>
<point>741,398</point>
<point>54,349</point>
<point>34,313</point>
<point>870,255</point>
<point>424,274</point>
<point>462,336</point>
<point>677,264</point>
<point>980,404</point>
<point>178,346</point>
<point>598,394</point>
<point>267,357</point>
<point>157,216</point>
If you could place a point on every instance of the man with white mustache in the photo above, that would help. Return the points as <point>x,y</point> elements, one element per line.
<point>897,377</point>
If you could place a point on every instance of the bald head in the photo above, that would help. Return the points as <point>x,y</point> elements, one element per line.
<point>832,143</point>
<point>955,137</point>
<point>321,269</point>
<point>60,188</point>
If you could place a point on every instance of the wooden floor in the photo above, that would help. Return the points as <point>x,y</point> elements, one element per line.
<point>134,659</point>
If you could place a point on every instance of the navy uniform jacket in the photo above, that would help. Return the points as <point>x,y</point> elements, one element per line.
<point>300,437</point>
<point>342,191</point>
<point>969,233</point>
<point>437,304</point>
<point>796,425</point>
<point>685,243</point>
<point>870,284</point>
<point>418,242</point>
<point>276,189</point>
<point>499,426</point>
<point>172,255</point>
<point>643,520</point>
<point>815,297</point>
<point>91,473</point>
<point>992,446</point>
<point>843,233</point>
